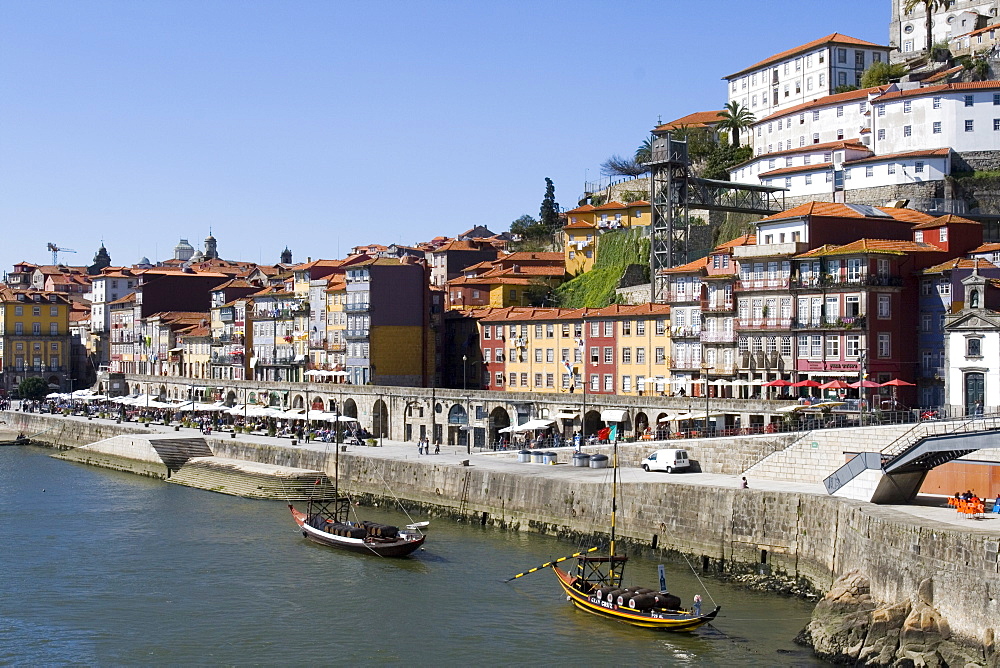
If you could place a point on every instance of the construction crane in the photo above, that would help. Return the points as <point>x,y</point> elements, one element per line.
<point>56,250</point>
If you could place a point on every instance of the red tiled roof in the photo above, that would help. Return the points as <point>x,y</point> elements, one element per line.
<point>874,246</point>
<point>699,119</point>
<point>854,144</point>
<point>986,248</point>
<point>943,88</point>
<point>944,74</point>
<point>837,210</point>
<point>580,225</point>
<point>833,38</point>
<point>942,152</point>
<point>825,101</point>
<point>960,263</point>
<point>748,239</point>
<point>694,265</point>
<point>950,219</point>
<point>583,208</point>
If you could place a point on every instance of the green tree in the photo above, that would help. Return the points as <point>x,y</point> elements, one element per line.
<point>645,151</point>
<point>33,388</point>
<point>549,213</point>
<point>880,73</point>
<point>844,88</point>
<point>523,225</point>
<point>735,117</point>
<point>929,7</point>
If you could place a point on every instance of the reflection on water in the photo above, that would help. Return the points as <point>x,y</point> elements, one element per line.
<point>109,568</point>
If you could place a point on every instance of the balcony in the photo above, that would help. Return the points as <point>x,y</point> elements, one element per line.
<point>716,306</point>
<point>28,368</point>
<point>356,333</point>
<point>827,281</point>
<point>336,346</point>
<point>357,307</point>
<point>237,339</point>
<point>847,322</point>
<point>228,360</point>
<point>680,297</point>
<point>764,323</point>
<point>762,284</point>
<point>685,332</point>
<point>770,250</point>
<point>718,337</point>
<point>694,365</point>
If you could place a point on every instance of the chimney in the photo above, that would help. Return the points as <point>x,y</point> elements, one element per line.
<point>517,269</point>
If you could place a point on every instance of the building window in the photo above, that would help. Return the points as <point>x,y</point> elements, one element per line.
<point>884,307</point>
<point>626,355</point>
<point>550,355</point>
<point>538,380</point>
<point>626,383</point>
<point>869,171</point>
<point>936,103</point>
<point>892,167</point>
<point>626,328</point>
<point>661,327</point>
<point>498,381</point>
<point>809,179</point>
<point>660,354</point>
<point>884,345</point>
<point>640,355</point>
<point>833,347</point>
<point>609,355</point>
<point>609,383</point>
<point>595,355</point>
<point>970,100</point>
<point>918,167</point>
<point>881,134</point>
<point>538,354</point>
<point>609,328</point>
<point>595,382</point>
<point>852,346</point>
<point>881,110</point>
<point>907,130</point>
<point>937,127</point>
<point>970,126</point>
<point>640,327</point>
<point>907,106</point>
<point>550,380</point>
<point>840,111</point>
<point>973,348</point>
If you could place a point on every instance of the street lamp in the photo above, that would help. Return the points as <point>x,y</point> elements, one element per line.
<point>465,371</point>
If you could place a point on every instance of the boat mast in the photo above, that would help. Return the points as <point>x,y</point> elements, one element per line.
<point>614,508</point>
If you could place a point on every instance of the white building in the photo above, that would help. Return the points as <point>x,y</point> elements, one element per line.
<point>896,135</point>
<point>972,352</point>
<point>104,289</point>
<point>803,73</point>
<point>908,32</point>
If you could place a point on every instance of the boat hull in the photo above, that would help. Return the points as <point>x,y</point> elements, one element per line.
<point>405,545</point>
<point>664,621</point>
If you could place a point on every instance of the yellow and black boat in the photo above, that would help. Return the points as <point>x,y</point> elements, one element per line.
<point>596,587</point>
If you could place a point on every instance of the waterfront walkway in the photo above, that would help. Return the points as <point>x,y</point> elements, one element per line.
<point>926,509</point>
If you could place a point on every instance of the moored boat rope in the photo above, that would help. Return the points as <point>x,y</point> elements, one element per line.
<point>707,593</point>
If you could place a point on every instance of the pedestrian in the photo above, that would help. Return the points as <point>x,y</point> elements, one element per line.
<point>745,485</point>
<point>437,448</point>
<point>697,602</point>
<point>420,447</point>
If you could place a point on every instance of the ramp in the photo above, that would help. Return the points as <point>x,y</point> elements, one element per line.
<point>894,474</point>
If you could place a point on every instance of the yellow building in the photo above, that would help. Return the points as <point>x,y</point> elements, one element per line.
<point>538,343</point>
<point>642,347</point>
<point>34,337</point>
<point>586,223</point>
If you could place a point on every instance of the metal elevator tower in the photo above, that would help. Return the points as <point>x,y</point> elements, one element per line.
<point>674,191</point>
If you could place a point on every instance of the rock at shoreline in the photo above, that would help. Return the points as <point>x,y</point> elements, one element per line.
<point>841,620</point>
<point>848,627</point>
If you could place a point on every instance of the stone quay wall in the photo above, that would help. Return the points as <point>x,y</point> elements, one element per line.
<point>814,538</point>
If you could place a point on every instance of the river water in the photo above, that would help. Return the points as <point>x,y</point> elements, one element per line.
<point>99,567</point>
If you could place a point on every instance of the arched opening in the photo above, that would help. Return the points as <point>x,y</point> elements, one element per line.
<point>230,399</point>
<point>380,419</point>
<point>317,404</point>
<point>274,399</point>
<point>298,401</point>
<point>350,408</point>
<point>592,423</point>
<point>162,393</point>
<point>661,430</point>
<point>332,406</point>
<point>641,424</point>
<point>458,422</point>
<point>499,419</point>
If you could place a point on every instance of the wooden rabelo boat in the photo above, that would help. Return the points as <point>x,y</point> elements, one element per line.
<point>596,587</point>
<point>326,521</point>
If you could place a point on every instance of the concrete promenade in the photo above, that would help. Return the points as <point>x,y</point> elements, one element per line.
<point>931,509</point>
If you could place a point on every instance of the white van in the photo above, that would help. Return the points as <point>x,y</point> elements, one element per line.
<point>666,460</point>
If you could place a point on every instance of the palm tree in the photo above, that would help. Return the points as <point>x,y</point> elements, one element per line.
<point>645,151</point>
<point>930,6</point>
<point>735,117</point>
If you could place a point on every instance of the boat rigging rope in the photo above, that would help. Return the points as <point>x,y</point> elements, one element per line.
<point>398,503</point>
<point>707,593</point>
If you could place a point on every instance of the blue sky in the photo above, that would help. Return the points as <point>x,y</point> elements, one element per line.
<point>325,125</point>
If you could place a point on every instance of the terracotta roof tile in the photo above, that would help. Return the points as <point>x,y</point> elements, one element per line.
<point>694,265</point>
<point>960,263</point>
<point>949,219</point>
<point>944,88</point>
<point>833,38</point>
<point>825,101</point>
<point>874,246</point>
<point>699,119</point>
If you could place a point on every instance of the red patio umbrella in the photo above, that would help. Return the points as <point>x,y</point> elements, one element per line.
<point>806,383</point>
<point>781,382</point>
<point>865,383</point>
<point>835,385</point>
<point>896,382</point>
